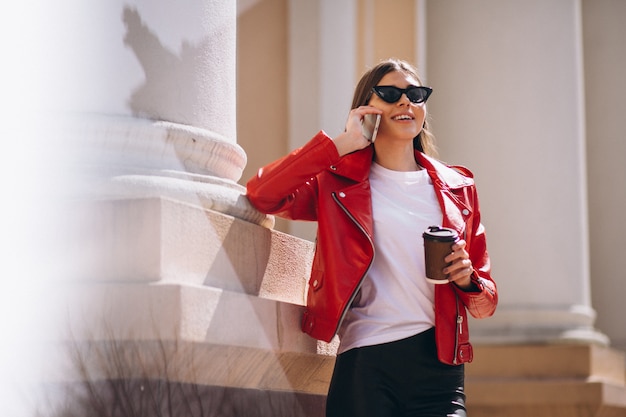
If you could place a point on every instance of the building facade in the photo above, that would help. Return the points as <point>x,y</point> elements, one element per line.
<point>167,275</point>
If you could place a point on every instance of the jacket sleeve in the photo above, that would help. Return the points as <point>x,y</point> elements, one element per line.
<point>287,187</point>
<point>482,300</point>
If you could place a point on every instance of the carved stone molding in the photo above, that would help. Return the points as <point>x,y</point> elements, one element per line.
<point>123,157</point>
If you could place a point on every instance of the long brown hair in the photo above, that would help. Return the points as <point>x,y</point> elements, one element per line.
<point>425,140</point>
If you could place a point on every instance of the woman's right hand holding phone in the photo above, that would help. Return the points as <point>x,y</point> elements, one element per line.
<point>352,138</point>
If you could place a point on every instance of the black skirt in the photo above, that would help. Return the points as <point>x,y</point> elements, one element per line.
<point>397,379</point>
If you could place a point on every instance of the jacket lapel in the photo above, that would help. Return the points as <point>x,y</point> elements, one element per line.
<point>449,186</point>
<point>353,188</point>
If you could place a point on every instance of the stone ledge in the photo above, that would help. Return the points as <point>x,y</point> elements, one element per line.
<point>546,381</point>
<point>173,312</point>
<point>206,338</point>
<point>556,398</point>
<point>154,239</point>
<point>203,364</point>
<point>584,362</point>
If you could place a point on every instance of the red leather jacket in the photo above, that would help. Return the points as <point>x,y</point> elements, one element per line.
<point>315,183</point>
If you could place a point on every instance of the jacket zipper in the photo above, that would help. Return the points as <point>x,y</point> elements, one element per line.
<point>458,332</point>
<point>358,287</point>
<point>459,320</point>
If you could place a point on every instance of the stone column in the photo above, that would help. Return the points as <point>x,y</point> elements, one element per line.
<point>605,85</point>
<point>508,102</point>
<point>153,91</point>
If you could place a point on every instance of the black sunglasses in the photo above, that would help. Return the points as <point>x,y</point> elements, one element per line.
<point>391,94</point>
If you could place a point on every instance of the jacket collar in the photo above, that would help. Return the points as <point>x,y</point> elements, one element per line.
<point>443,174</point>
<point>356,166</point>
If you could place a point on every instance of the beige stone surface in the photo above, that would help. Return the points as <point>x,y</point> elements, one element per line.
<point>546,380</point>
<point>583,362</point>
<point>165,289</point>
<point>163,240</point>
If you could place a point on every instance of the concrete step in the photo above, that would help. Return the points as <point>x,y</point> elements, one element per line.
<point>546,381</point>
<point>588,362</point>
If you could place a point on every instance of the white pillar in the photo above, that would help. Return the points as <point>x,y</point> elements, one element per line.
<point>151,59</point>
<point>605,86</point>
<point>508,102</point>
<point>153,89</point>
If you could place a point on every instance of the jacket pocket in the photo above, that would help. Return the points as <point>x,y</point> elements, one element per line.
<point>466,353</point>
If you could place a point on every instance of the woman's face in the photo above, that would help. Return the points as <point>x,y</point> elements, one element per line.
<point>402,119</point>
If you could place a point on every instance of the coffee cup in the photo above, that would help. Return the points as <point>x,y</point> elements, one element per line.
<point>438,243</point>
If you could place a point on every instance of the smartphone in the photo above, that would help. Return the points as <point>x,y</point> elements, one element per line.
<point>370,126</point>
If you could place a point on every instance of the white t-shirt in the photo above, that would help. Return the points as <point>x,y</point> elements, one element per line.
<point>395,300</point>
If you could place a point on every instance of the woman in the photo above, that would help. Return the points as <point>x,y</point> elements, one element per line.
<point>403,340</point>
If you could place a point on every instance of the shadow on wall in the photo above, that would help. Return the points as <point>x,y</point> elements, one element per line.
<point>172,81</point>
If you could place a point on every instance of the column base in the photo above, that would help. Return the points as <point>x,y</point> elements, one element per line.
<point>543,324</point>
<point>124,157</point>
<point>180,305</point>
